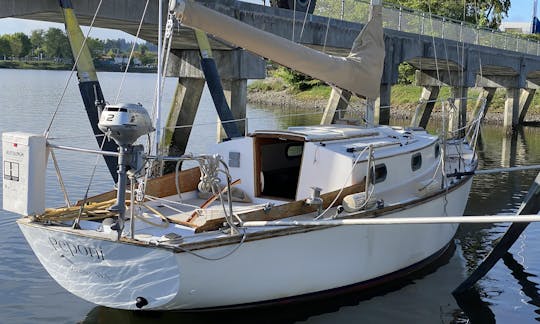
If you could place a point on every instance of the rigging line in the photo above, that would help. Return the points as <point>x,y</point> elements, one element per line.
<point>462,43</point>
<point>447,60</point>
<point>169,35</point>
<point>345,182</point>
<point>293,21</point>
<point>304,23</point>
<point>46,133</point>
<point>433,42</point>
<point>326,35</point>
<point>85,198</point>
<point>131,53</point>
<point>244,234</point>
<point>60,179</point>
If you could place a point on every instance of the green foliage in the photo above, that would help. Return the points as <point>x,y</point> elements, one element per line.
<point>315,93</point>
<point>295,80</point>
<point>485,13</point>
<point>5,49</point>
<point>352,10</point>
<point>95,46</point>
<point>271,84</point>
<point>406,73</point>
<point>56,44</point>
<point>20,45</point>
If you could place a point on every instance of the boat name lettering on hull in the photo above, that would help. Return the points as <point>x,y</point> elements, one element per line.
<point>77,249</point>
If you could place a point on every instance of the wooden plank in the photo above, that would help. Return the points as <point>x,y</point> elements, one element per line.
<point>294,208</point>
<point>160,187</point>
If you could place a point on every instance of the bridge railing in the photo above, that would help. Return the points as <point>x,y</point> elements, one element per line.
<point>407,20</point>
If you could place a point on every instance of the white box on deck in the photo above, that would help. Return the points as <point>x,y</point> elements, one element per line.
<point>24,165</point>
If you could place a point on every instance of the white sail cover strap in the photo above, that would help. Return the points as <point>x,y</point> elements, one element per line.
<point>359,73</point>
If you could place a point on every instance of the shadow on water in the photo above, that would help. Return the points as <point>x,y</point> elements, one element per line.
<point>288,312</point>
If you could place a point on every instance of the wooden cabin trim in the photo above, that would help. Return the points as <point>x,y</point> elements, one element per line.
<point>294,208</point>
<point>303,229</point>
<point>159,187</point>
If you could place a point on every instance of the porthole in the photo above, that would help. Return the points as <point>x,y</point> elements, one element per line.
<point>416,161</point>
<point>437,150</point>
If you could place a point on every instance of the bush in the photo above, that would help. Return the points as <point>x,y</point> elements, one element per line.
<point>295,80</point>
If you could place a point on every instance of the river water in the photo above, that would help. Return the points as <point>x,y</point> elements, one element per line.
<point>508,294</point>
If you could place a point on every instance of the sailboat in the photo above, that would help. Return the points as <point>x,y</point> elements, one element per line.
<point>262,218</point>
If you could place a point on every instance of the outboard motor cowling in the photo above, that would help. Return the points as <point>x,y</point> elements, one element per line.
<point>126,122</point>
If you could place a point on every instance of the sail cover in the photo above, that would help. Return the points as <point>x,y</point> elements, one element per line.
<point>359,73</point>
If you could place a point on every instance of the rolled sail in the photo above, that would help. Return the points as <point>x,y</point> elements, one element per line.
<point>359,73</point>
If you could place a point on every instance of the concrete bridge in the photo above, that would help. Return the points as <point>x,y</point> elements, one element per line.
<point>444,53</point>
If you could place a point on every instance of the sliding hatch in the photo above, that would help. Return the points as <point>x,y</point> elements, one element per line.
<point>277,166</point>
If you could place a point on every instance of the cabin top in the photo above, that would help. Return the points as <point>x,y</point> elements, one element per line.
<point>318,133</point>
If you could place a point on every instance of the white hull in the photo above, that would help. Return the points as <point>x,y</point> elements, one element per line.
<point>114,274</point>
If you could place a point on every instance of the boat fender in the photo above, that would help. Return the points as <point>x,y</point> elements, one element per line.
<point>140,302</point>
<point>357,201</point>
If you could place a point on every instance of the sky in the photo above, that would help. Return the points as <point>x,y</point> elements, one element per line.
<point>520,11</point>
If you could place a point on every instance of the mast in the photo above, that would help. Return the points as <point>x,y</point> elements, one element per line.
<point>158,81</point>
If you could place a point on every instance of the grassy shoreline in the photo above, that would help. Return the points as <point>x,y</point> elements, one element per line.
<point>274,92</point>
<point>55,66</point>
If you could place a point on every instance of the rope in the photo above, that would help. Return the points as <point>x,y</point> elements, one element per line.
<point>218,258</point>
<point>131,53</point>
<point>85,198</point>
<point>46,133</point>
<point>305,18</point>
<point>326,34</point>
<point>433,41</point>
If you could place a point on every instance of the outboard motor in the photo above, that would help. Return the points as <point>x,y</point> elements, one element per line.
<point>125,123</point>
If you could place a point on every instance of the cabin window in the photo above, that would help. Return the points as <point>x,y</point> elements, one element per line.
<point>437,150</point>
<point>379,173</point>
<point>294,150</point>
<point>416,161</point>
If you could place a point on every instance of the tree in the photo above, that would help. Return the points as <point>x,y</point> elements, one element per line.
<point>37,40</point>
<point>95,46</point>
<point>20,45</point>
<point>5,49</point>
<point>486,13</point>
<point>143,49</point>
<point>56,44</point>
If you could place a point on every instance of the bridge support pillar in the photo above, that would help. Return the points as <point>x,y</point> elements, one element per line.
<point>234,67</point>
<point>382,105</point>
<point>525,100</point>
<point>511,109</point>
<point>181,116</point>
<point>425,107</point>
<point>338,101</point>
<point>486,95</point>
<point>236,96</point>
<point>458,117</point>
